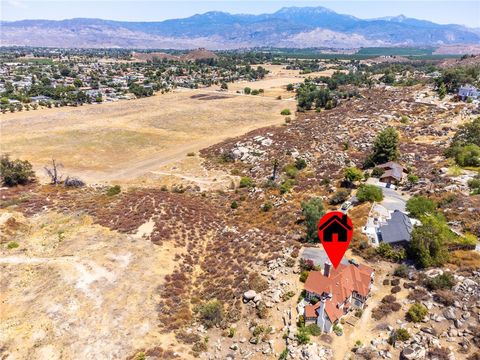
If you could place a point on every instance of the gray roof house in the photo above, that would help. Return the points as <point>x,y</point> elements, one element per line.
<point>393,172</point>
<point>397,230</point>
<point>468,91</point>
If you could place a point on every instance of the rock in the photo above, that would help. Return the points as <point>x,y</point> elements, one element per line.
<point>249,295</point>
<point>414,351</point>
<point>449,314</point>
<point>257,298</point>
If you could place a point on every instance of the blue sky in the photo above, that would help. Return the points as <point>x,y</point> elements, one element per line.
<point>440,11</point>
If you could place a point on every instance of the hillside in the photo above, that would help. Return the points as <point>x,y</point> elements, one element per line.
<point>288,27</point>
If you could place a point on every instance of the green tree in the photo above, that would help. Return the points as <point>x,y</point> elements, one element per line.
<point>15,172</point>
<point>420,205</point>
<point>428,245</point>
<point>313,211</point>
<point>385,146</point>
<point>468,155</point>
<point>468,133</point>
<point>369,193</point>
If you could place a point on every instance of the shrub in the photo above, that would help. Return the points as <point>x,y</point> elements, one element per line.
<point>114,190</point>
<point>313,211</point>
<point>288,295</point>
<point>262,310</point>
<point>337,329</point>
<point>401,271</point>
<point>474,185</point>
<point>307,264</point>
<point>412,179</point>
<point>395,282</point>
<point>418,295</point>
<point>419,205</point>
<point>388,299</point>
<point>210,313</point>
<point>417,312</point>
<point>283,355</point>
<point>246,182</point>
<point>445,297</point>
<point>286,112</point>
<point>247,90</point>
<point>267,206</point>
<point>388,252</point>
<point>300,163</point>
<point>291,171</point>
<point>358,313</point>
<point>15,172</point>
<point>302,336</point>
<point>377,172</point>
<point>339,197</point>
<point>234,204</point>
<point>396,289</point>
<point>191,154</point>
<point>303,276</point>
<point>255,92</point>
<point>286,186</point>
<point>290,262</point>
<point>369,193</point>
<point>313,330</point>
<point>398,335</point>
<point>257,283</point>
<point>440,282</point>
<point>12,245</point>
<point>231,332</point>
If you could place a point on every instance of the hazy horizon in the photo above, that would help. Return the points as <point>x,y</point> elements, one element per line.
<point>465,13</point>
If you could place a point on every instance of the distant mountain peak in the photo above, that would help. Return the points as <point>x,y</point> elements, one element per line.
<point>288,27</point>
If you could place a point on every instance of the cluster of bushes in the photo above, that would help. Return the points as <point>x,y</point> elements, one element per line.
<point>309,94</point>
<point>440,282</point>
<point>389,304</point>
<point>386,251</point>
<point>465,146</point>
<point>291,172</point>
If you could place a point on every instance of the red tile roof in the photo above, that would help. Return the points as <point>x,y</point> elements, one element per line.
<point>341,283</point>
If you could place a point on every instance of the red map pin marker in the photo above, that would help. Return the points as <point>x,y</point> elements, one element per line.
<point>335,231</point>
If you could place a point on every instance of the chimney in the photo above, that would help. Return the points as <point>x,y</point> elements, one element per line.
<point>326,269</point>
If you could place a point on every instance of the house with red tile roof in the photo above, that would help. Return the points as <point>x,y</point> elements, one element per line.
<point>335,292</point>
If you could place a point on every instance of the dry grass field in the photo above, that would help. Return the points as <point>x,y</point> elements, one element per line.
<point>126,139</point>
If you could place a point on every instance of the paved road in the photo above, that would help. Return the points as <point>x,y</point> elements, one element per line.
<point>392,200</point>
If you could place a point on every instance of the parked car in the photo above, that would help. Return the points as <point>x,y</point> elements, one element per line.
<point>346,205</point>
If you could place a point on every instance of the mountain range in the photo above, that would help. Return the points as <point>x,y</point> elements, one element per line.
<point>296,27</point>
